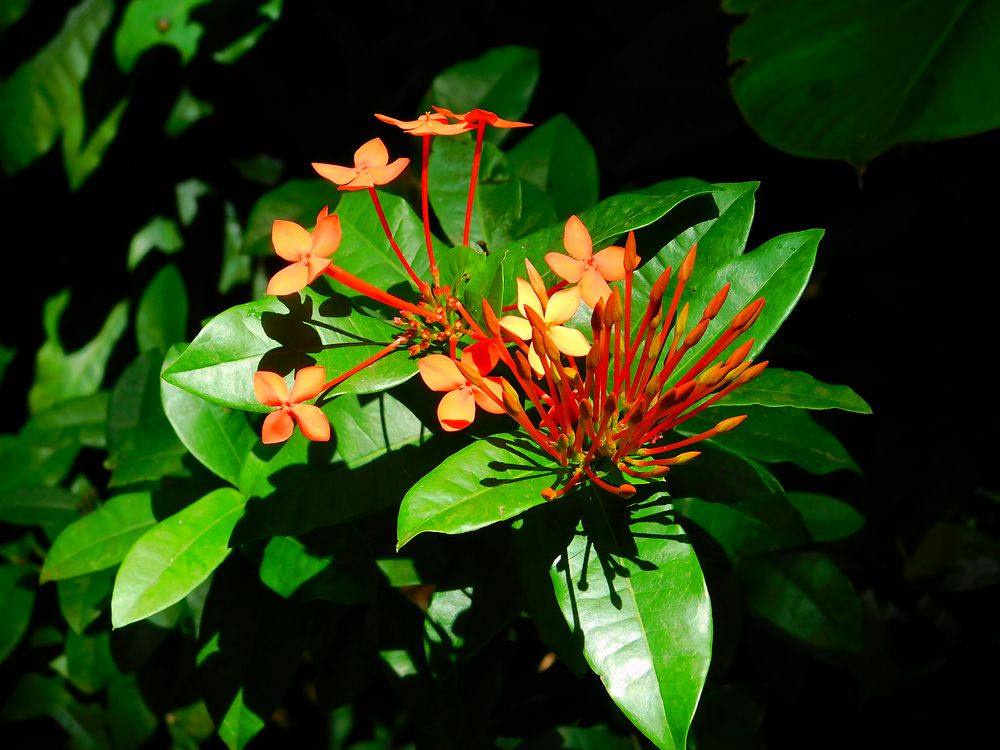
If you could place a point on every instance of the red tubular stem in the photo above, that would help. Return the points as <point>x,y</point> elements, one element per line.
<point>425,204</point>
<point>370,361</point>
<point>480,131</point>
<point>363,287</point>
<point>421,285</point>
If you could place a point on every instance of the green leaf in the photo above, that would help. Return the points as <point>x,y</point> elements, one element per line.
<point>369,428</point>
<point>805,89</point>
<point>295,570</point>
<point>59,375</point>
<point>578,738</point>
<point>240,724</point>
<point>557,159</point>
<point>799,390</point>
<point>236,267</point>
<point>746,525</point>
<point>89,665</point>
<point>130,720</point>
<point>501,80</point>
<point>39,506</point>
<point>45,92</point>
<point>7,354</point>
<point>161,319</point>
<point>827,518</point>
<point>282,334</point>
<point>219,437</point>
<point>147,23</point>
<point>82,599</point>
<point>100,539</point>
<point>159,233</point>
<point>78,421</point>
<point>295,200</point>
<point>505,208</point>
<point>188,194</point>
<point>35,696</point>
<point>26,465</point>
<point>172,558</point>
<point>775,434</point>
<point>805,595</point>
<point>365,251</point>
<point>271,10</point>
<point>634,588</point>
<point>141,443</point>
<point>494,479</point>
<point>187,110</point>
<point>17,592</point>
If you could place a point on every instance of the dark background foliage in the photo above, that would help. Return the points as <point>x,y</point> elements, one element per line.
<point>900,307</point>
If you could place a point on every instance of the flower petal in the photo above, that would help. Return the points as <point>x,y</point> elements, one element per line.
<point>314,267</point>
<point>312,421</point>
<point>566,267</point>
<point>277,427</point>
<point>518,326</point>
<point>611,263</point>
<point>457,409</point>
<point>483,355</point>
<point>484,401</point>
<point>385,175</point>
<point>326,236</point>
<point>404,124</point>
<point>373,153</point>
<point>289,280</point>
<point>269,388</point>
<point>499,122</point>
<point>535,361</point>
<point>576,239</point>
<point>526,297</point>
<point>594,287</point>
<point>290,240</point>
<point>334,173</point>
<point>563,305</point>
<point>569,341</point>
<point>308,384</point>
<point>439,373</point>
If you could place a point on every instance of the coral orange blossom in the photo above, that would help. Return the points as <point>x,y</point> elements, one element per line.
<point>602,408</point>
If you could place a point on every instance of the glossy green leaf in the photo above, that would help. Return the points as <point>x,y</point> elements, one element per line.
<point>35,696</point>
<point>240,724</point>
<point>556,158</point>
<point>491,480</point>
<point>746,525</point>
<point>100,539</point>
<point>502,80</point>
<point>236,267</point>
<point>634,588</point>
<point>130,720</point>
<point>271,10</point>
<point>141,443</point>
<point>293,569</point>
<point>365,250</point>
<point>26,465</point>
<point>805,595</point>
<point>159,233</point>
<point>89,665</point>
<point>187,110</point>
<point>147,23</point>
<point>800,390</point>
<point>82,599</point>
<point>59,375</point>
<point>577,738</point>
<point>285,333</point>
<point>189,194</point>
<point>161,319</point>
<point>176,555</point>
<point>827,518</point>
<point>304,486</point>
<point>813,86</point>
<point>295,200</point>
<point>219,437</point>
<point>45,92</point>
<point>773,435</point>
<point>80,421</point>
<point>17,592</point>
<point>39,506</point>
<point>505,207</point>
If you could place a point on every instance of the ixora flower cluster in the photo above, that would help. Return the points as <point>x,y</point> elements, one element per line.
<point>602,406</point>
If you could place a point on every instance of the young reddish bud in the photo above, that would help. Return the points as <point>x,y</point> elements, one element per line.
<point>631,259</point>
<point>688,265</point>
<point>730,424</point>
<point>716,303</point>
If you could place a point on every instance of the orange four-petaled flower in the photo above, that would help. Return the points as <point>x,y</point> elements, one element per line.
<point>371,168</point>
<point>560,307</point>
<point>289,409</point>
<point>591,271</point>
<point>309,254</point>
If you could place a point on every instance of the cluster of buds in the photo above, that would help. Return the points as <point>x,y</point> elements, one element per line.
<point>615,412</point>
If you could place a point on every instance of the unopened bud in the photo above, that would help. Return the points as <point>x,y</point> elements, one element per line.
<point>631,260</point>
<point>626,491</point>
<point>597,318</point>
<point>587,410</point>
<point>748,316</point>
<point>470,373</point>
<point>511,401</point>
<point>688,265</point>
<point>716,303</point>
<point>740,353</point>
<point>490,319</point>
<point>613,309</point>
<point>751,372</point>
<point>659,288</point>
<point>695,336</point>
<point>730,424</point>
<point>548,494</point>
<point>524,370</point>
<point>536,283</point>
<point>683,458</point>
